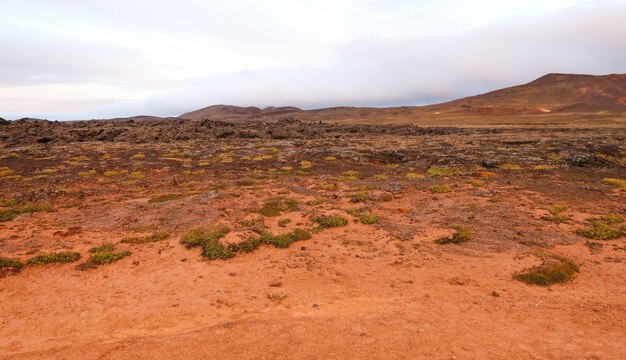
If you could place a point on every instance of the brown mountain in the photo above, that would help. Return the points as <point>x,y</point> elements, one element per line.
<point>550,94</point>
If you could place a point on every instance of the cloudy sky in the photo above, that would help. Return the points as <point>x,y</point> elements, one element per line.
<point>76,59</point>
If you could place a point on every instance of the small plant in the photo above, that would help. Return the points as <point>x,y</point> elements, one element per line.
<point>369,219</point>
<point>358,198</point>
<point>88,173</point>
<point>599,231</point>
<point>245,246</point>
<point>138,156</point>
<point>316,201</point>
<point>461,235</point>
<point>414,176</point>
<point>325,185</point>
<point>475,182</point>
<point>305,164</point>
<point>60,257</point>
<point>15,264</point>
<point>445,171</point>
<point>510,167</point>
<point>107,257</point>
<point>34,208</point>
<point>165,197</point>
<point>440,189</point>
<point>329,221</point>
<point>556,214</point>
<point>146,239</point>
<point>208,238</point>
<point>612,219</point>
<point>6,215</point>
<point>275,206</point>
<point>330,158</point>
<point>616,182</point>
<point>108,247</point>
<point>554,269</point>
<point>284,222</point>
<point>284,240</point>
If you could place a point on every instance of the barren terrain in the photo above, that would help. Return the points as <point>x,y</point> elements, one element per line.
<point>320,241</point>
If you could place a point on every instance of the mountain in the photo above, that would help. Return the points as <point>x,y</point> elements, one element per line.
<point>552,93</point>
<point>549,93</point>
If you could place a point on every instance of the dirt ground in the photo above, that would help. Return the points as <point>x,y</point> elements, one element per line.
<point>379,286</point>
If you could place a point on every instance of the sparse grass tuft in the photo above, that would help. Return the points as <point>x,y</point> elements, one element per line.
<point>12,263</point>
<point>555,269</point>
<point>616,182</point>
<point>461,235</point>
<point>284,240</point>
<point>166,197</point>
<point>146,239</point>
<point>600,231</point>
<point>107,257</point>
<point>612,219</point>
<point>440,189</point>
<point>6,215</point>
<point>556,214</point>
<point>445,171</point>
<point>108,247</point>
<point>414,176</point>
<point>60,257</point>
<point>208,238</point>
<point>358,197</point>
<point>316,201</point>
<point>245,246</point>
<point>329,221</point>
<point>475,182</point>
<point>509,167</point>
<point>275,206</point>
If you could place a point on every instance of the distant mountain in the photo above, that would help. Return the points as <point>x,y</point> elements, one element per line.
<point>552,93</point>
<point>549,93</point>
<point>236,113</point>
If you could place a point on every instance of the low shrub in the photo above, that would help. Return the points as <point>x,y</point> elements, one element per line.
<point>554,269</point>
<point>60,257</point>
<point>461,235</point>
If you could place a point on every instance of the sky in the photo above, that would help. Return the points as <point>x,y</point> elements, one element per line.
<point>76,59</point>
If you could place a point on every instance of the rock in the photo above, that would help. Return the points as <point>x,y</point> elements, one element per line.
<point>276,283</point>
<point>490,163</point>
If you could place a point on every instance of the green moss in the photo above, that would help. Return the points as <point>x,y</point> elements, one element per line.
<point>554,269</point>
<point>146,239</point>
<point>166,197</point>
<point>600,231</point>
<point>461,235</point>
<point>6,262</point>
<point>612,219</point>
<point>440,189</point>
<point>316,201</point>
<point>275,206</point>
<point>107,257</point>
<point>108,247</point>
<point>60,257</point>
<point>329,221</point>
<point>445,171</point>
<point>6,215</point>
<point>286,239</point>
<point>208,238</point>
<point>245,246</point>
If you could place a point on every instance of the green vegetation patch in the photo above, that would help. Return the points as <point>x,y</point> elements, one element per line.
<point>461,235</point>
<point>49,258</point>
<point>245,246</point>
<point>275,206</point>
<point>440,189</point>
<point>146,239</point>
<point>286,239</point>
<point>166,197</point>
<point>7,215</point>
<point>366,218</point>
<point>446,171</point>
<point>616,182</point>
<point>600,230</point>
<point>207,237</point>
<point>329,221</point>
<point>556,214</point>
<point>15,264</point>
<point>554,269</point>
<point>108,247</point>
<point>107,257</point>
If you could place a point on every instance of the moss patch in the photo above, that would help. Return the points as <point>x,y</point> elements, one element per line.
<point>461,235</point>
<point>146,239</point>
<point>276,206</point>
<point>49,258</point>
<point>554,269</point>
<point>207,237</point>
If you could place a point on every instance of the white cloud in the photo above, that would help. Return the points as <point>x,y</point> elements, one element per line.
<point>77,59</point>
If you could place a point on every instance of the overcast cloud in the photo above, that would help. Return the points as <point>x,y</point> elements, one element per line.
<point>73,59</point>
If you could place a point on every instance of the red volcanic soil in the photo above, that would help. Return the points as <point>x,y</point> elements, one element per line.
<point>378,285</point>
